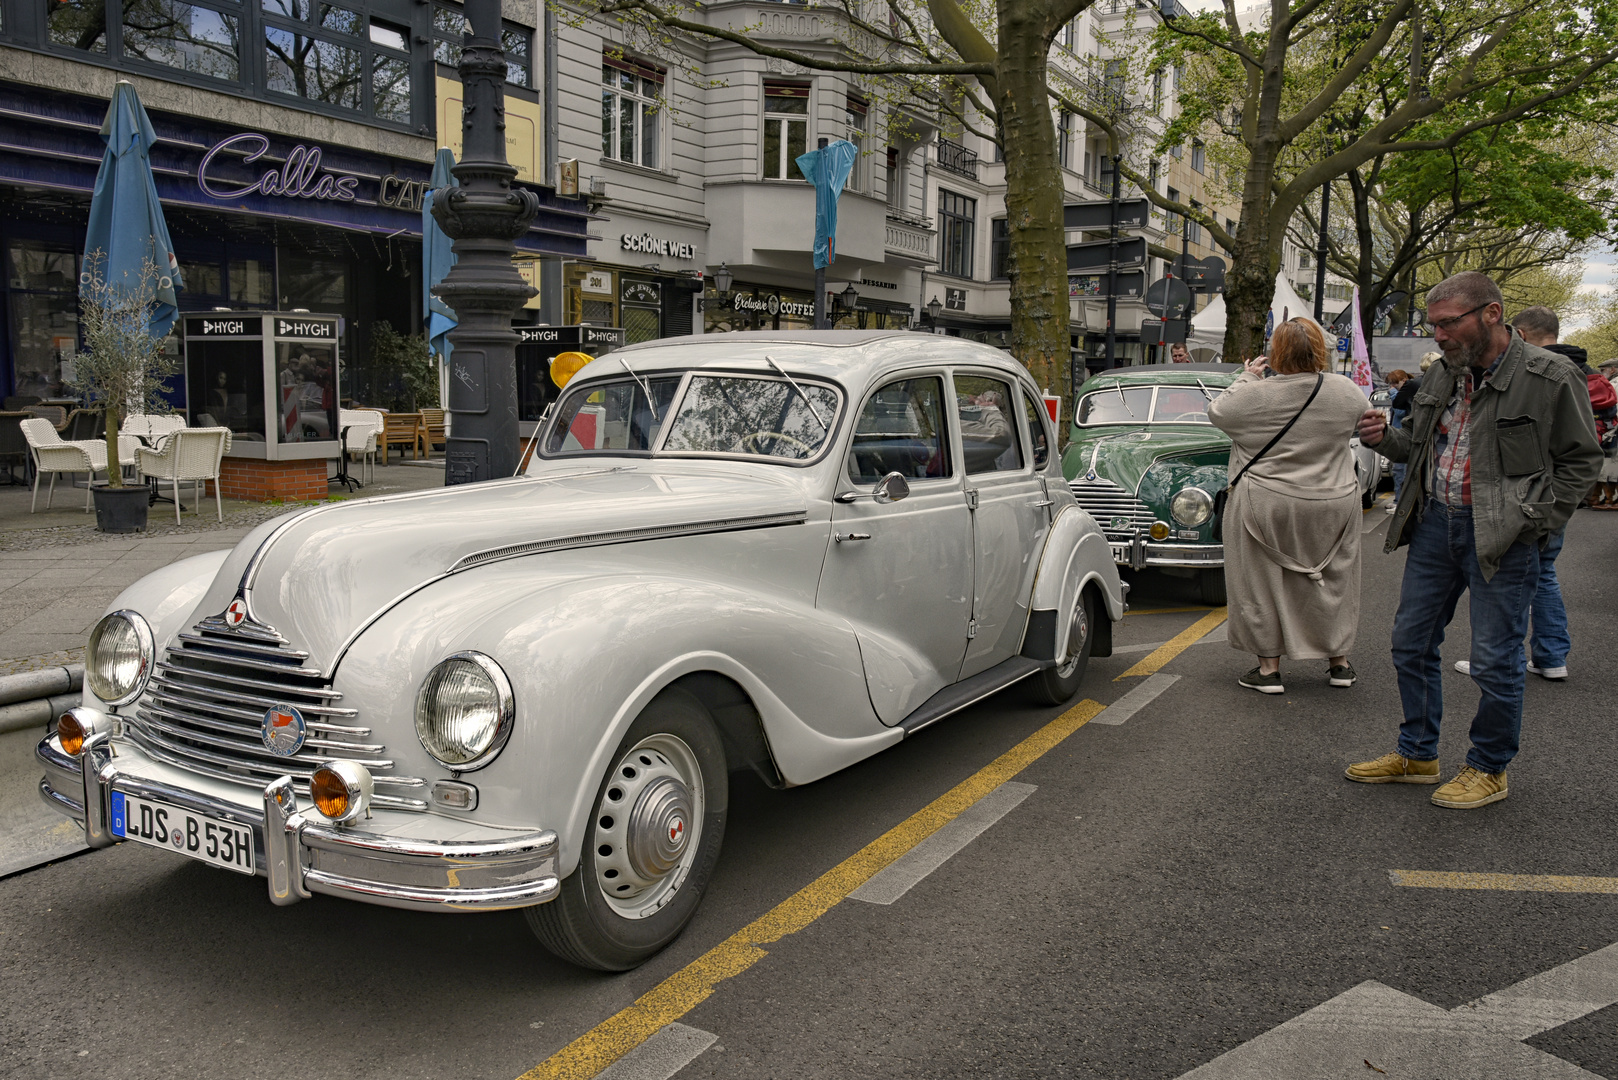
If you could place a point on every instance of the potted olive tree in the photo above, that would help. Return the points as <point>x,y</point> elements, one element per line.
<point>121,368</point>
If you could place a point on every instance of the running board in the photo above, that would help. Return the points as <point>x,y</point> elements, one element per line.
<point>952,699</point>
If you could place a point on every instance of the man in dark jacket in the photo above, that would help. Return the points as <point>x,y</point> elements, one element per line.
<point>1501,447</point>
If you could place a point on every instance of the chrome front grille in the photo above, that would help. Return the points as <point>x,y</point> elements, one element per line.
<point>1117,511</point>
<point>204,711</point>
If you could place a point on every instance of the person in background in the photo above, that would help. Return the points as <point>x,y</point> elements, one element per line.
<point>1396,382</point>
<point>1292,521</point>
<point>1401,405</point>
<point>1179,354</point>
<point>1606,493</point>
<point>1501,447</point>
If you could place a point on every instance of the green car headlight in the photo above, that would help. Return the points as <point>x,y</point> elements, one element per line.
<point>1191,506</point>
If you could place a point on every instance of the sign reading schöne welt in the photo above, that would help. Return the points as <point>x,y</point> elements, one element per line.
<point>647,244</point>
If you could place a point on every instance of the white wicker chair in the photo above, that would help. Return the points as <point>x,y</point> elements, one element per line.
<point>152,428</point>
<point>52,455</point>
<point>360,428</point>
<point>190,454</point>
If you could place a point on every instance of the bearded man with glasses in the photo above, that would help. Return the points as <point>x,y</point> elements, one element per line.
<point>1500,446</point>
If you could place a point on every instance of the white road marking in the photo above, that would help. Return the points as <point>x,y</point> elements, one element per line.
<point>1405,1036</point>
<point>660,1057</point>
<point>907,871</point>
<point>1218,633</point>
<point>1136,700</point>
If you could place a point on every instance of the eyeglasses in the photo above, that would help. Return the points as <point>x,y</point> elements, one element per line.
<point>1447,324</point>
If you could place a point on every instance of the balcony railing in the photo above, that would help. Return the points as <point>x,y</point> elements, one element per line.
<point>910,239</point>
<point>957,158</point>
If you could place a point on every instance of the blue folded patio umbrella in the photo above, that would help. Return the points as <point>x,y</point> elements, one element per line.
<point>828,169</point>
<point>437,257</point>
<point>126,219</point>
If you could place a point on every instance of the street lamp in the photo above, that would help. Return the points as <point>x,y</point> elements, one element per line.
<point>850,296</point>
<point>484,214</point>
<point>933,308</point>
<point>722,278</point>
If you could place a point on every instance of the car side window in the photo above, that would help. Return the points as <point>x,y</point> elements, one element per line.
<point>989,439</point>
<point>1035,411</point>
<point>901,429</point>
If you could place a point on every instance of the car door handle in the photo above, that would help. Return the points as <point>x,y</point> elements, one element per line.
<point>1044,502</point>
<point>840,537</point>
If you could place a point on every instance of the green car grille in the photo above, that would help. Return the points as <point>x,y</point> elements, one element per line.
<point>1117,511</point>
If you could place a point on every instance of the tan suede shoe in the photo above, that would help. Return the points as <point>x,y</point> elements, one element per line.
<point>1393,769</point>
<point>1471,789</point>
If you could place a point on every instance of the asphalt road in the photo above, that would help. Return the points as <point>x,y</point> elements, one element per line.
<point>1172,888</point>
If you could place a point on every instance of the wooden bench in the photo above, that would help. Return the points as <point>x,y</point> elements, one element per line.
<point>433,424</point>
<point>401,429</point>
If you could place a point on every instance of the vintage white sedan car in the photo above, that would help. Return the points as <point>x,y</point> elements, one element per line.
<point>778,552</point>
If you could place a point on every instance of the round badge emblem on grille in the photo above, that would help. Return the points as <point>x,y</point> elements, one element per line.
<point>1090,476</point>
<point>236,613</point>
<point>283,730</point>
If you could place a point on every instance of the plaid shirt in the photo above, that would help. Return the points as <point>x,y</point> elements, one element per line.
<point>1452,446</point>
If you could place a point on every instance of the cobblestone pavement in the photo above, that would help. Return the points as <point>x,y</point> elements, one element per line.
<point>58,574</point>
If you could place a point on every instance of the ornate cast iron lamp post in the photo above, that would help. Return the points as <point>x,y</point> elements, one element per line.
<point>484,215</point>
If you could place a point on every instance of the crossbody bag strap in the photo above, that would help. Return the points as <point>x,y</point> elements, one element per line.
<point>1320,378</point>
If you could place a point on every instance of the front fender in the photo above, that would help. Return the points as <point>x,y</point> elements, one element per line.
<point>586,645</point>
<point>166,598</point>
<point>1076,555</point>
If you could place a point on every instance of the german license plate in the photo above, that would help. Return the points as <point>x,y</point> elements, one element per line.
<point>218,843</point>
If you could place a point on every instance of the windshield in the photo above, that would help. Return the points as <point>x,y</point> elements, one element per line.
<point>1135,405</point>
<point>733,414</point>
<point>612,416</point>
<point>752,416</point>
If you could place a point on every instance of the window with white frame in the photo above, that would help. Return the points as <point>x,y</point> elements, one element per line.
<point>631,122</point>
<point>897,180</point>
<point>857,116</point>
<point>786,129</point>
<point>1064,139</point>
<point>957,218</point>
<point>1199,155</point>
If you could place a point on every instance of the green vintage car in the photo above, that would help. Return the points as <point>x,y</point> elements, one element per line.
<point>1146,463</point>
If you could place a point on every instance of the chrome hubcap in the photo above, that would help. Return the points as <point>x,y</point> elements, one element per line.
<point>1077,634</point>
<point>648,826</point>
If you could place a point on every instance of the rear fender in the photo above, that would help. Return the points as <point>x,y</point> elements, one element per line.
<point>1076,557</point>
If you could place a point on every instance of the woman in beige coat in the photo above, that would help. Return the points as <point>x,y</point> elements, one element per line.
<point>1291,526</point>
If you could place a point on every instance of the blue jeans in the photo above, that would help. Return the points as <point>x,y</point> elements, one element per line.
<point>1398,421</point>
<point>1443,564</point>
<point>1551,642</point>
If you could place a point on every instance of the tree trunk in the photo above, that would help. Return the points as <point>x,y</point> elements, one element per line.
<point>1039,303</point>
<point>1250,282</point>
<point>115,474</point>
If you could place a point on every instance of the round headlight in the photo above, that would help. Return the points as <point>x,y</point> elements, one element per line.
<point>464,711</point>
<point>1191,506</point>
<point>118,660</point>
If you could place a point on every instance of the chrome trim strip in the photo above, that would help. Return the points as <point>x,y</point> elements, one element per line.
<point>168,719</point>
<point>260,757</point>
<point>233,648</point>
<point>497,898</point>
<point>248,662</point>
<point>279,690</point>
<point>62,804</point>
<point>628,536</point>
<point>188,695</point>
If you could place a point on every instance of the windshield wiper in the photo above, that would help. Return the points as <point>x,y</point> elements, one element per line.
<point>645,388</point>
<point>1118,387</point>
<point>1205,391</point>
<point>801,394</point>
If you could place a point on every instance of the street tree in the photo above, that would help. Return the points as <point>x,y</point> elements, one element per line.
<point>981,61</point>
<point>1323,87</point>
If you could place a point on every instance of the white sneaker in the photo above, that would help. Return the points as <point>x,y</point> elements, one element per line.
<point>1549,672</point>
<point>1391,508</point>
<point>1464,666</point>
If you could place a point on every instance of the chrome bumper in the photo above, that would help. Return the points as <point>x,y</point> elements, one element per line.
<point>1139,553</point>
<point>302,856</point>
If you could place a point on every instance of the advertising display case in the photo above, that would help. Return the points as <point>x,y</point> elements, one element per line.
<point>270,377</point>
<point>537,347</point>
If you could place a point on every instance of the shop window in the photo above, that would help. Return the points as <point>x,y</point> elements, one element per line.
<point>957,218</point>
<point>449,27</point>
<point>786,129</point>
<point>999,249</point>
<point>252,282</point>
<point>596,312</point>
<point>203,279</point>
<point>642,324</point>
<point>631,122</point>
<point>44,317</point>
<point>184,36</point>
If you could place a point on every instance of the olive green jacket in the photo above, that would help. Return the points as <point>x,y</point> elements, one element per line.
<point>1533,445</point>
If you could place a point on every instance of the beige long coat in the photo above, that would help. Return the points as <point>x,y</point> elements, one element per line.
<point>1292,526</point>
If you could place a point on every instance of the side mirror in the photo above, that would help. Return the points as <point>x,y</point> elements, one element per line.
<point>891,488</point>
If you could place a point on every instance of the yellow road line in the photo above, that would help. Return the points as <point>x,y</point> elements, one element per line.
<point>1165,610</point>
<point>1176,645</point>
<point>681,992</point>
<point>1442,879</point>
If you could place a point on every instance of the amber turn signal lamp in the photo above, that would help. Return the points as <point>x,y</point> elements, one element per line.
<point>568,364</point>
<point>341,790</point>
<point>71,733</point>
<point>1159,530</point>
